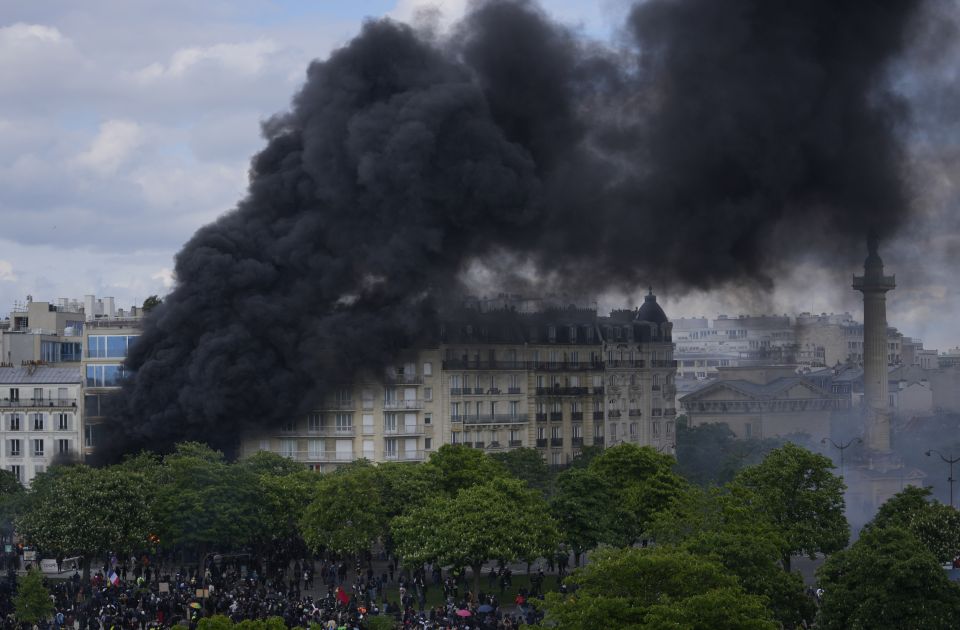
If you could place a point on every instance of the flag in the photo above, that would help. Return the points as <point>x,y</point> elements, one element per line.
<point>114,578</point>
<point>342,596</point>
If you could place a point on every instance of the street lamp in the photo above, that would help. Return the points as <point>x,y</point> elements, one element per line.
<point>951,461</point>
<point>842,447</point>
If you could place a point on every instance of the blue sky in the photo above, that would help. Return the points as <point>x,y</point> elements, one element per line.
<point>127,124</point>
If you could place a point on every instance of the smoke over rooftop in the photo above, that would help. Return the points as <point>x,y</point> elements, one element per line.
<point>684,156</point>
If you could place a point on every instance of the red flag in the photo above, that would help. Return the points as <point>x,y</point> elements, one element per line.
<point>342,596</point>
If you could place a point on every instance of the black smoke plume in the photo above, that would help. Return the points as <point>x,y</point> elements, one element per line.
<point>685,155</point>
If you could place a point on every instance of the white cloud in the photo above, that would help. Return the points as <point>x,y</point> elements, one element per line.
<point>28,35</point>
<point>244,58</point>
<point>6,272</point>
<point>165,277</point>
<point>114,143</point>
<point>448,11</point>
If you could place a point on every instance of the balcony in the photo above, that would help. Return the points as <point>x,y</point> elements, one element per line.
<point>504,418</point>
<point>598,391</point>
<point>634,413</point>
<point>553,366</point>
<point>556,441</point>
<point>598,415</point>
<point>322,431</point>
<point>339,405</point>
<point>404,456</point>
<point>541,442</point>
<point>577,441</point>
<point>598,440</point>
<point>37,403</point>
<point>318,456</point>
<point>614,413</point>
<point>626,363</point>
<point>479,445</point>
<point>404,430</point>
<point>660,363</point>
<point>669,413</point>
<point>513,390</point>
<point>656,413</point>
<point>403,379</point>
<point>556,416</point>
<point>576,416</point>
<point>515,443</point>
<point>562,391</point>
<point>655,387</point>
<point>402,404</point>
<point>541,417</point>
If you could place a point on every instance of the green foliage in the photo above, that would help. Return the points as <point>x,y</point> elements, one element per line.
<point>77,510</point>
<point>796,491</point>
<point>581,506</point>
<point>664,587</point>
<point>12,496</point>
<point>404,487</point>
<point>500,519</point>
<point>526,464</point>
<point>202,500</point>
<point>267,463</point>
<point>151,303</point>
<point>887,580</point>
<point>587,455</point>
<point>32,603</point>
<point>455,467</point>
<point>346,513</point>
<point>221,622</point>
<point>643,484</point>
<point>381,622</point>
<point>726,526</point>
<point>936,525</point>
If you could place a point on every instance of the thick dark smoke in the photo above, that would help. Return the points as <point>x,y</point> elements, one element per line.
<point>682,157</point>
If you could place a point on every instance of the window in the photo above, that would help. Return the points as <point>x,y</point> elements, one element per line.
<point>514,436</point>
<point>578,431</point>
<point>38,422</point>
<point>556,458</point>
<point>613,431</point>
<point>63,447</point>
<point>89,435</point>
<point>427,418</point>
<point>556,432</point>
<point>428,393</point>
<point>108,375</point>
<point>344,398</point>
<point>109,346</point>
<point>455,437</point>
<point>367,424</point>
<point>390,448</point>
<point>13,448</point>
<point>39,469</point>
<point>541,433</point>
<point>38,448</point>
<point>669,429</point>
<point>367,397</point>
<point>17,471</point>
<point>368,449</point>
<point>14,394</point>
<point>514,407</point>
<point>656,428</point>
<point>15,422</point>
<point>454,410</point>
<point>428,443</point>
<point>314,422</point>
<point>288,448</point>
<point>428,369</point>
<point>63,422</point>
<point>344,423</point>
<point>633,429</point>
<point>289,426</point>
<point>390,423</point>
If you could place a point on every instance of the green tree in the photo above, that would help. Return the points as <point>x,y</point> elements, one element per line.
<point>887,580</point>
<point>726,526</point>
<point>581,506</point>
<point>32,603</point>
<point>934,524</point>
<point>346,513</point>
<point>798,493</point>
<point>151,303</point>
<point>77,510</point>
<point>644,484</point>
<point>500,519</point>
<point>201,501</point>
<point>527,465</point>
<point>268,463</point>
<point>664,587</point>
<point>455,466</point>
<point>587,454</point>
<point>12,496</point>
<point>404,487</point>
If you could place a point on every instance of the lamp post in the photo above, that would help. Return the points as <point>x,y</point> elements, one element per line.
<point>842,447</point>
<point>951,461</point>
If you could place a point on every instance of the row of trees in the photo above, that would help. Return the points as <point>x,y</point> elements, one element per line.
<point>722,556</point>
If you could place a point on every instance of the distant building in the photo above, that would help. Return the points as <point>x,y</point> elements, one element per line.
<point>39,418</point>
<point>763,402</point>
<point>501,375</point>
<point>42,331</point>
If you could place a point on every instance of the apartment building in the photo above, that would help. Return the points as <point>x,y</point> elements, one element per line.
<point>106,342</point>
<point>43,332</point>
<point>501,378</point>
<point>39,417</point>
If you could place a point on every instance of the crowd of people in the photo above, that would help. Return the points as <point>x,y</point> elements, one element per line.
<point>137,596</point>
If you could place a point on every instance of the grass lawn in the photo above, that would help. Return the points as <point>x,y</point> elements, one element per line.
<point>435,592</point>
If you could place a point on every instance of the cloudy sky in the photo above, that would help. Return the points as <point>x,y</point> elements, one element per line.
<point>126,125</point>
